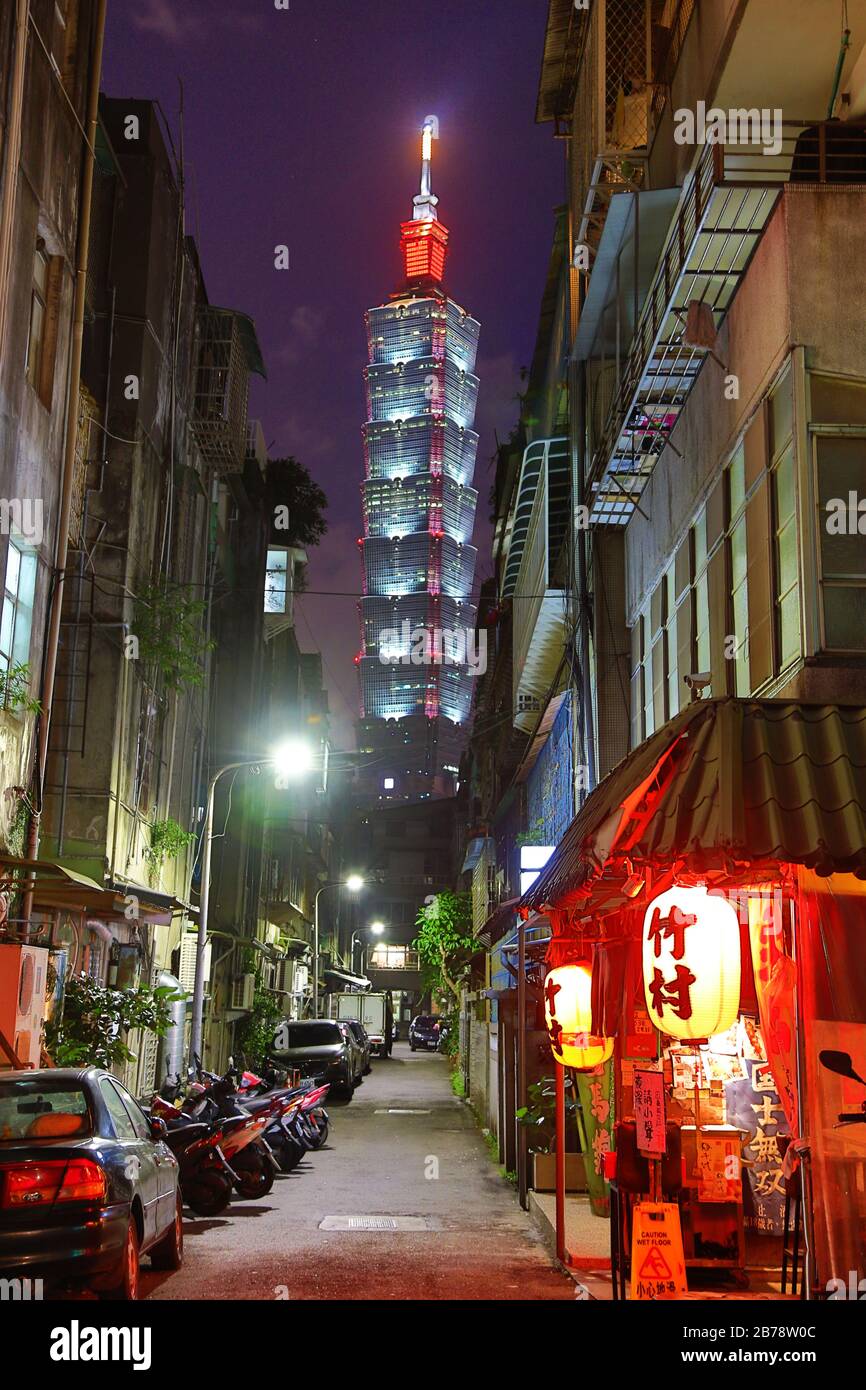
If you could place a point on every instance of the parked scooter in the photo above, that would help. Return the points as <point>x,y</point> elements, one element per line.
<point>214,1098</point>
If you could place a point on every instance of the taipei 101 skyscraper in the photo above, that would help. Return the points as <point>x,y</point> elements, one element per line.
<point>418,653</point>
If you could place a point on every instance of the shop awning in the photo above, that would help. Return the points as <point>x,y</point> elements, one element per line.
<point>727,783</point>
<point>57,887</point>
<point>498,923</point>
<point>344,980</point>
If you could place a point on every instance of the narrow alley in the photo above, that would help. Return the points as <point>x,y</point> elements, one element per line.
<point>385,1148</point>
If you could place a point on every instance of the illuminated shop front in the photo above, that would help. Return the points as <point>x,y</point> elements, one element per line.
<point>714,887</point>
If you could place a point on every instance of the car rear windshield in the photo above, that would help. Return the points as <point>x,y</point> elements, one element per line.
<point>314,1035</point>
<point>38,1109</point>
<point>425,1021</point>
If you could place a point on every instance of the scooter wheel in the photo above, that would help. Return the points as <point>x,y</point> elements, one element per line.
<point>322,1137</point>
<point>255,1178</point>
<point>208,1194</point>
<point>289,1156</point>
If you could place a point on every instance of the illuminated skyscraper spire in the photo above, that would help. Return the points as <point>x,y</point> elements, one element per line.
<point>426,202</point>
<point>424,240</point>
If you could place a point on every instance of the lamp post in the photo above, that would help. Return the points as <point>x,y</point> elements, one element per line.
<point>293,761</point>
<point>375,929</point>
<point>354,883</point>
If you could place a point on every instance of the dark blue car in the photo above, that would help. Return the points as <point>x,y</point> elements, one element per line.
<point>424,1032</point>
<point>87,1185</point>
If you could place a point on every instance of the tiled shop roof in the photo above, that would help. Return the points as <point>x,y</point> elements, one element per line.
<point>727,782</point>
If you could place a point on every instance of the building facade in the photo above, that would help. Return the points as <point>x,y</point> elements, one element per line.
<point>419,512</point>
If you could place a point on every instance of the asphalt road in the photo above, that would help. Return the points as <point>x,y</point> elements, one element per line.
<point>475,1242</point>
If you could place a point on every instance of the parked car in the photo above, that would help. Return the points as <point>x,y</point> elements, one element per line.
<point>362,1038</point>
<point>424,1032</point>
<point>318,1048</point>
<point>356,1049</point>
<point>87,1183</point>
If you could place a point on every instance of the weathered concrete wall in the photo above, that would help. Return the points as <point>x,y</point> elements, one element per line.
<point>478,1069</point>
<point>32,428</point>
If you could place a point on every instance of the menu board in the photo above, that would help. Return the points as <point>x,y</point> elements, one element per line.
<point>649,1112</point>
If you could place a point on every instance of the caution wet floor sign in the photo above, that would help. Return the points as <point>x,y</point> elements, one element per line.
<point>658,1269</point>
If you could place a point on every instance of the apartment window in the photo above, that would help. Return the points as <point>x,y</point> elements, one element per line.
<point>786,560</point>
<point>38,318</point>
<point>64,40</point>
<point>276,582</point>
<point>637,691</point>
<point>17,620</point>
<point>740,605</point>
<point>702,595</point>
<point>841,465</point>
<point>673,695</point>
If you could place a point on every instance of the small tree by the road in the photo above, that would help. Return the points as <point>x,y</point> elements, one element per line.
<point>446,944</point>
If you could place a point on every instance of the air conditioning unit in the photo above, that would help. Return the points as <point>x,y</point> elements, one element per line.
<point>243,992</point>
<point>23,979</point>
<point>186,967</point>
<point>284,980</point>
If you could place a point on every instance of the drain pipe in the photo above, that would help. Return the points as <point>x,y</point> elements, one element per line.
<point>837,76</point>
<point>49,663</point>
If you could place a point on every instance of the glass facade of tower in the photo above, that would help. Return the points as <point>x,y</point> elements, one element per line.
<point>418,514</point>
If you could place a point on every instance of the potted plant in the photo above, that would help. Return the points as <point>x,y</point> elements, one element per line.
<point>539,1117</point>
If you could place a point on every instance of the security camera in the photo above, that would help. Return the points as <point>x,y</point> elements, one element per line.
<point>698,681</point>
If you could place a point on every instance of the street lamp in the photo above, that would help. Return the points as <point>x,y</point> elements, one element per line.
<point>354,883</point>
<point>292,760</point>
<point>375,929</point>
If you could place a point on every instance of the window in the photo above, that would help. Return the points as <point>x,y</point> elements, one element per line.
<point>134,1111</point>
<point>276,581</point>
<point>121,1123</point>
<point>786,559</point>
<point>740,605</point>
<point>25,1106</point>
<point>38,316</point>
<point>841,465</point>
<point>17,619</point>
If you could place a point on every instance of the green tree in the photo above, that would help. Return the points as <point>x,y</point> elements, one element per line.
<point>289,485</point>
<point>169,625</point>
<point>446,942</point>
<point>95,1021</point>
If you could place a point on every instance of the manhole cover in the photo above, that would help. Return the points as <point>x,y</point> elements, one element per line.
<point>374,1223</point>
<point>401,1112</point>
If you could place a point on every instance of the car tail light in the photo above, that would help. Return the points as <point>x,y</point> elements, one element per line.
<point>39,1184</point>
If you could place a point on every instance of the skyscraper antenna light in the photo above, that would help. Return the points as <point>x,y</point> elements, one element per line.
<point>424,207</point>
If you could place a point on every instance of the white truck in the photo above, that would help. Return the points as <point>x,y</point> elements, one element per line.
<point>374,1011</point>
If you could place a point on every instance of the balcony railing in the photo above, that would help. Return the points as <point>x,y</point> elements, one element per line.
<point>540,603</point>
<point>394,958</point>
<point>720,219</point>
<point>228,352</point>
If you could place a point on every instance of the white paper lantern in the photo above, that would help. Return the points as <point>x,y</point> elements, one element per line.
<point>691,963</point>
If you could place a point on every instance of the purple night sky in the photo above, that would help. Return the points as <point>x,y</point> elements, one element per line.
<point>301,127</point>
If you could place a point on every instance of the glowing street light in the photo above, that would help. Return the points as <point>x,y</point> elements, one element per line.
<point>293,760</point>
<point>354,883</point>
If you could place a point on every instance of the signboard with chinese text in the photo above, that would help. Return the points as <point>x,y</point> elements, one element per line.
<point>595,1090</point>
<point>719,1167</point>
<point>649,1112</point>
<point>754,1105</point>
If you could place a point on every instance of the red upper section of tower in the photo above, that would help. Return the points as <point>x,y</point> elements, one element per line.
<point>424,246</point>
